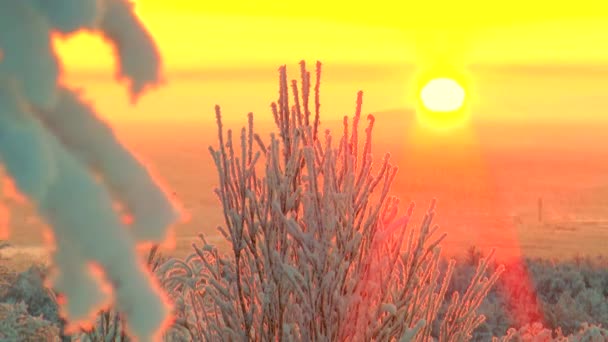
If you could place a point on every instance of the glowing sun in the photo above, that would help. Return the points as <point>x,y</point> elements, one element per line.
<point>442,95</point>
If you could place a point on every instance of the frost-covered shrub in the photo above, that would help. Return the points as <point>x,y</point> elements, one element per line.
<point>28,287</point>
<point>571,293</point>
<point>319,249</point>
<point>589,332</point>
<point>16,324</point>
<point>518,287</point>
<point>7,278</point>
<point>495,305</point>
<point>537,333</point>
<point>531,333</point>
<point>551,288</point>
<point>549,299</point>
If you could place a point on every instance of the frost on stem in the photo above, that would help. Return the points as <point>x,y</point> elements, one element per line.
<point>71,166</point>
<point>319,249</point>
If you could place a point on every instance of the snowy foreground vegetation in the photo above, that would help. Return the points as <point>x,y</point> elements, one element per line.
<point>572,296</point>
<point>321,251</point>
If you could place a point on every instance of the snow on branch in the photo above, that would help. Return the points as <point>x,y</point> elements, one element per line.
<point>71,166</point>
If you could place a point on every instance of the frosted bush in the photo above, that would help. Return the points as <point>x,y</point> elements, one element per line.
<point>16,324</point>
<point>567,307</point>
<point>537,333</point>
<point>28,287</point>
<point>319,250</point>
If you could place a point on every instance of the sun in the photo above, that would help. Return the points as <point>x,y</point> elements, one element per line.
<point>442,95</point>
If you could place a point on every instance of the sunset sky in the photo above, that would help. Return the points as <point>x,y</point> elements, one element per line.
<point>511,139</point>
<point>529,64</point>
<point>199,34</point>
<point>218,40</point>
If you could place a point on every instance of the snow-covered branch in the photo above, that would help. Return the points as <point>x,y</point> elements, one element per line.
<point>71,166</point>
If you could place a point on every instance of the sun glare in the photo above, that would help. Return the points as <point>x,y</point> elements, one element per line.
<point>442,95</point>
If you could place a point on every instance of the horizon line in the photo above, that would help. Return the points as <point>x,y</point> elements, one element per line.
<point>266,70</point>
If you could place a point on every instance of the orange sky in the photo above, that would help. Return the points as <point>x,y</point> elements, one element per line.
<point>203,40</point>
<point>200,34</point>
<point>208,40</point>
